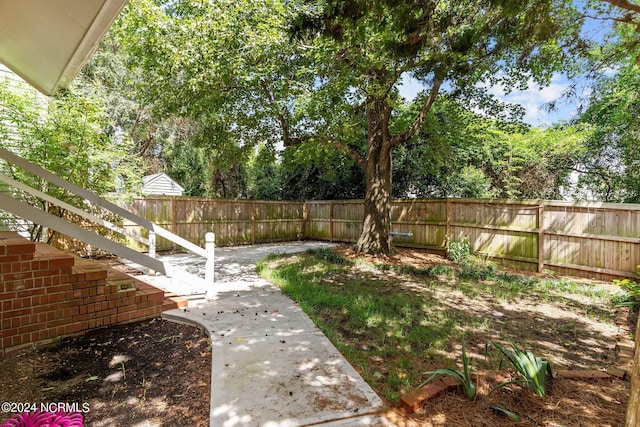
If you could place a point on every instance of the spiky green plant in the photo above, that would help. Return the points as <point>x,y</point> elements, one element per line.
<point>533,370</point>
<point>499,409</point>
<point>463,377</point>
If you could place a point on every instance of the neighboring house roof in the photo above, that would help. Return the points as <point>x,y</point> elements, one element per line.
<point>161,183</point>
<point>46,42</point>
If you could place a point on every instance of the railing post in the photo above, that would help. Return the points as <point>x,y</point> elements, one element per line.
<point>152,244</point>
<point>209,246</point>
<point>152,248</point>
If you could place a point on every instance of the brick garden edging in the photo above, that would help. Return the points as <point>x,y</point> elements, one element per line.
<point>47,294</point>
<point>415,399</point>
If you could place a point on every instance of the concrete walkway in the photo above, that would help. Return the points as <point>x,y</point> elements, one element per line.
<point>271,366</point>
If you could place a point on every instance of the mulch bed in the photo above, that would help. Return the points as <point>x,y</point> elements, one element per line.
<point>593,403</point>
<point>155,373</point>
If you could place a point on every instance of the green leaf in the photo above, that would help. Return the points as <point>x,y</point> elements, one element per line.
<point>533,370</point>
<point>504,411</point>
<point>464,377</point>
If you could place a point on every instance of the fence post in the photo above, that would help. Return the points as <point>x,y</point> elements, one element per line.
<point>209,246</point>
<point>331,221</point>
<point>448,220</point>
<point>541,237</point>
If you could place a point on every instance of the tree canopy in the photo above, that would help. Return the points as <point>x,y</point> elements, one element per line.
<point>302,100</point>
<point>327,73</point>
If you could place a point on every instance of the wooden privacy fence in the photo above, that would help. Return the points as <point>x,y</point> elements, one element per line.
<point>599,240</point>
<point>234,222</point>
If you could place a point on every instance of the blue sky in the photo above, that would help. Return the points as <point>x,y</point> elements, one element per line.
<point>535,97</point>
<point>532,99</point>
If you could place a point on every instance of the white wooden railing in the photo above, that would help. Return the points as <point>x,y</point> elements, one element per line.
<point>53,222</point>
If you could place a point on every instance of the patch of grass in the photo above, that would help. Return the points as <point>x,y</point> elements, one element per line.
<point>273,256</point>
<point>479,276</point>
<point>565,286</point>
<point>367,320</point>
<point>431,271</point>
<point>394,327</point>
<point>326,254</point>
<point>474,269</point>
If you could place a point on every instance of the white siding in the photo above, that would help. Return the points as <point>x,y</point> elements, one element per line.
<point>161,184</point>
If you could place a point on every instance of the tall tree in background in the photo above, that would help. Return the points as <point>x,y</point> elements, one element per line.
<point>460,153</point>
<point>364,48</point>
<point>324,174</point>
<point>609,170</point>
<point>327,73</point>
<point>623,42</point>
<point>226,66</point>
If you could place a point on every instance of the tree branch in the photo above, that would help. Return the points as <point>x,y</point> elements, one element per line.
<point>283,117</point>
<point>409,133</point>
<point>290,141</point>
<point>339,145</point>
<point>147,143</point>
<point>626,19</point>
<point>624,4</point>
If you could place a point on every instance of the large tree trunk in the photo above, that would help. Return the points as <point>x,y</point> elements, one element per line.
<point>377,165</point>
<point>377,202</point>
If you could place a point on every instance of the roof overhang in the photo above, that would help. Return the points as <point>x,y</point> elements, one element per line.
<point>46,42</point>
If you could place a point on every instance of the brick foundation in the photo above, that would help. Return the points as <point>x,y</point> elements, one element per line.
<point>47,294</point>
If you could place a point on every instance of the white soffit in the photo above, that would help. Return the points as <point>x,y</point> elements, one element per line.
<point>46,42</point>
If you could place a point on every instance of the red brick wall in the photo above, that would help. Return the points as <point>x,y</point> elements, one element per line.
<point>46,294</point>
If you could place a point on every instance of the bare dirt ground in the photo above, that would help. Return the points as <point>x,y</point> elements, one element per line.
<point>155,373</point>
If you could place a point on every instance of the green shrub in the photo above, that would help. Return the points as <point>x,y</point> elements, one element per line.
<point>631,288</point>
<point>458,251</point>
<point>326,254</point>
<point>631,295</point>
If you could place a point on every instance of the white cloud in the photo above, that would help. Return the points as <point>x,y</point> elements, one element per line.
<point>535,97</point>
<point>532,99</point>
